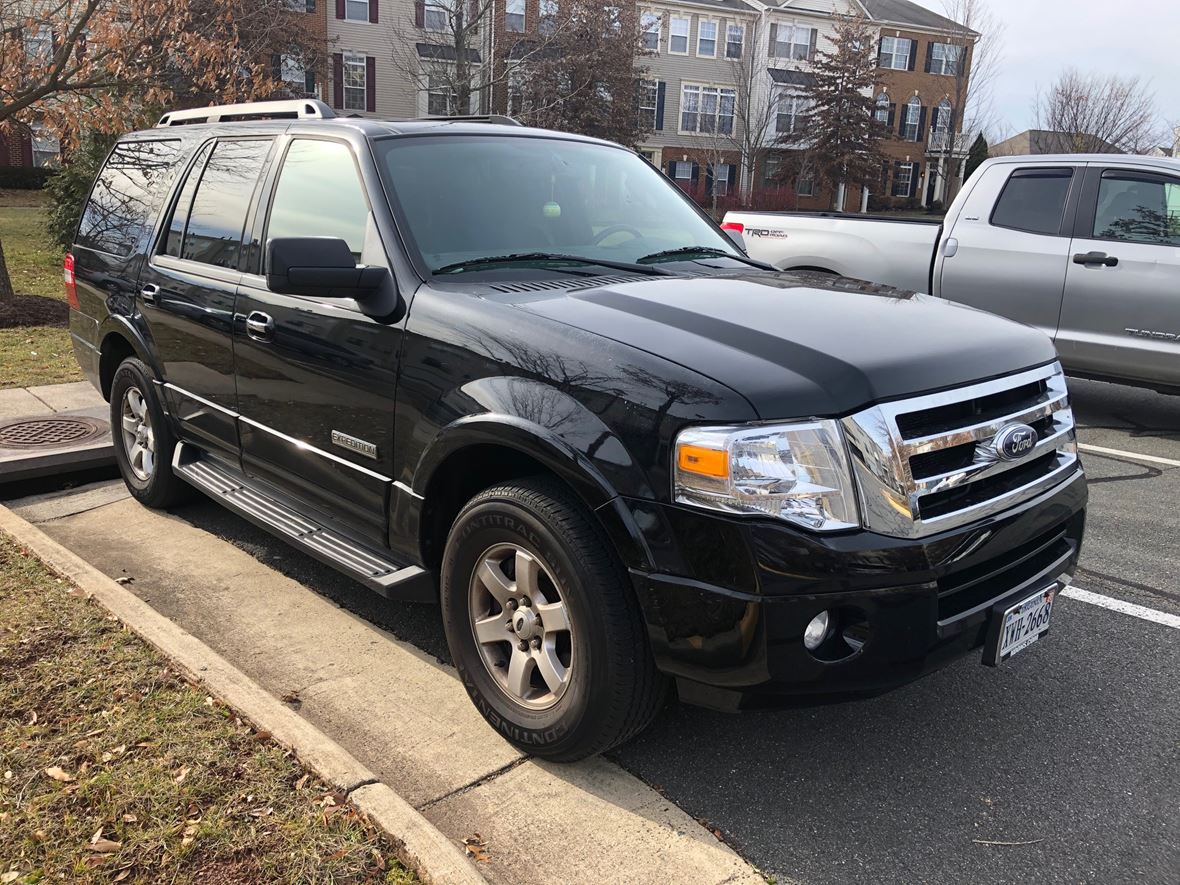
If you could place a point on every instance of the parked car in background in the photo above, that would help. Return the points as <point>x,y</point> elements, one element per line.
<point>519,372</point>
<point>1085,248</point>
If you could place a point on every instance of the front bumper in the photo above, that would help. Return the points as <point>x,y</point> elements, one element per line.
<point>728,605</point>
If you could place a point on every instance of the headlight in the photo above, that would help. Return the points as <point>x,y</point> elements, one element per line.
<point>798,472</point>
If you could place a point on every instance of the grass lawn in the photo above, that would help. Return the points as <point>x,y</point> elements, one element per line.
<point>33,262</point>
<point>32,355</point>
<point>36,354</point>
<point>113,769</point>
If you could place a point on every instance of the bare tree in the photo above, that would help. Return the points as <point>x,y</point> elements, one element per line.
<point>439,51</point>
<point>584,78</point>
<point>710,151</point>
<point>101,63</point>
<point>1093,113</point>
<point>755,108</point>
<point>110,65</point>
<point>976,55</point>
<point>978,38</point>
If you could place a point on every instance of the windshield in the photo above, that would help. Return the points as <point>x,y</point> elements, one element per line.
<point>466,198</point>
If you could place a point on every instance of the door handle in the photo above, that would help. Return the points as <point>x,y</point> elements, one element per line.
<point>1095,258</point>
<point>260,326</point>
<point>149,293</point>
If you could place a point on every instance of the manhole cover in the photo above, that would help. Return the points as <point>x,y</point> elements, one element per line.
<point>48,432</point>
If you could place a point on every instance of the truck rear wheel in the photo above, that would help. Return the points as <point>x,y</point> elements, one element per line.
<point>143,439</point>
<point>547,637</point>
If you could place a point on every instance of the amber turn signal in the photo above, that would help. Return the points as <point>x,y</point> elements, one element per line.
<point>706,462</point>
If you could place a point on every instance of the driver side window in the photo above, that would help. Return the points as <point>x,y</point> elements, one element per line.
<point>1138,210</point>
<point>319,194</point>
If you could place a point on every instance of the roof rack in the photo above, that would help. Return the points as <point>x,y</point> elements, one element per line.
<point>498,119</point>
<point>287,109</point>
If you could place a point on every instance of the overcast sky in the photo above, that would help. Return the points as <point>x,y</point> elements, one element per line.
<point>1129,37</point>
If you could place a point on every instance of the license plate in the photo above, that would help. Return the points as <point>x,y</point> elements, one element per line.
<point>1021,625</point>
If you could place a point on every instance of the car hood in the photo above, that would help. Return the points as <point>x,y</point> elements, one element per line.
<point>799,345</point>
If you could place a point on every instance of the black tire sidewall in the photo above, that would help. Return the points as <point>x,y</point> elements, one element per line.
<point>160,487</point>
<point>504,520</point>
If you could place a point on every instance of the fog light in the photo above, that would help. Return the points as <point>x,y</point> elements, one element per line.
<point>816,632</point>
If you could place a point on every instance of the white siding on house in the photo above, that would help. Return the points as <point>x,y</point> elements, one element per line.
<point>387,39</point>
<point>816,15</point>
<point>674,70</point>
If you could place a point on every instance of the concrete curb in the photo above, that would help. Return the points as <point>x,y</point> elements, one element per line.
<point>419,845</point>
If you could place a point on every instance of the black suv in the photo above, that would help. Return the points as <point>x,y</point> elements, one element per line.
<point>520,372</point>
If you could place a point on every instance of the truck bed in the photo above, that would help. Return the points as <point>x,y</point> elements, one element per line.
<point>895,251</point>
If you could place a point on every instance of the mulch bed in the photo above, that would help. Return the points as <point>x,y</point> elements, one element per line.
<point>33,310</point>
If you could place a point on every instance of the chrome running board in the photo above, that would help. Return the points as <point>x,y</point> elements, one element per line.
<point>237,492</point>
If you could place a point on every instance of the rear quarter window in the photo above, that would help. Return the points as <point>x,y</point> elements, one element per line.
<point>127,195</point>
<point>1033,200</point>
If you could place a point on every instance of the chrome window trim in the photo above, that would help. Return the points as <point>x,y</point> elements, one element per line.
<point>890,497</point>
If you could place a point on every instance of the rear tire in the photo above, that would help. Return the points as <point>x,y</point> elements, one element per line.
<point>143,438</point>
<point>561,666</point>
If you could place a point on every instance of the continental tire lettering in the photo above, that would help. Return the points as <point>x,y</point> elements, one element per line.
<point>514,732</point>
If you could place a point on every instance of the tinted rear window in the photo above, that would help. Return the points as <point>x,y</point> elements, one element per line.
<point>127,195</point>
<point>214,231</point>
<point>1033,200</point>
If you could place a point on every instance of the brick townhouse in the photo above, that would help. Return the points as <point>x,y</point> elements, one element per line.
<point>923,61</point>
<point>306,77</point>
<point>694,54</point>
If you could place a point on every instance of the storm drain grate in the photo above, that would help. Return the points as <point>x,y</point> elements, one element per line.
<point>48,432</point>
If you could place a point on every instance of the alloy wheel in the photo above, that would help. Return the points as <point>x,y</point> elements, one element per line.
<point>521,625</point>
<point>139,440</point>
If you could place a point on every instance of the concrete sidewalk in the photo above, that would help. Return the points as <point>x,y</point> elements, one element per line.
<point>397,710</point>
<point>53,428</point>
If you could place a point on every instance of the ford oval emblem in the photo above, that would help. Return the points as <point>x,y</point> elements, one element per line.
<point>1015,441</point>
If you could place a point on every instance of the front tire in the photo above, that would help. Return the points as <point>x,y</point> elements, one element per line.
<point>143,438</point>
<point>548,639</point>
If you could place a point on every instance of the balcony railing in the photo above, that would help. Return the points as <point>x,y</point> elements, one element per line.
<point>944,142</point>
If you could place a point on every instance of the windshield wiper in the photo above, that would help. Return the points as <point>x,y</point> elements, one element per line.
<point>704,252</point>
<point>556,257</point>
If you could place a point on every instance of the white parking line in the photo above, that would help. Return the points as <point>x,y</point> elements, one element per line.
<point>1126,608</point>
<point>1130,456</point>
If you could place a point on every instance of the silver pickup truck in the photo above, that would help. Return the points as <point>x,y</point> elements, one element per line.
<point>1084,247</point>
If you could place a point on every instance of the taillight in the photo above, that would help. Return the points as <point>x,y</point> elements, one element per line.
<point>733,225</point>
<point>68,277</point>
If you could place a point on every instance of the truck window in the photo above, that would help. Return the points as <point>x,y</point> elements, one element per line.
<point>1138,209</point>
<point>127,195</point>
<point>319,195</point>
<point>174,239</point>
<point>1033,200</point>
<point>213,234</point>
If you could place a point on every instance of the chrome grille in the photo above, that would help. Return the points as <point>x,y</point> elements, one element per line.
<point>930,463</point>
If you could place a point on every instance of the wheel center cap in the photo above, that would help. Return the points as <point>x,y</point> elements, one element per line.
<point>524,623</point>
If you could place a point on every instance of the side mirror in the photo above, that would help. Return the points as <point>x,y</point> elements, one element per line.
<point>737,237</point>
<point>319,267</point>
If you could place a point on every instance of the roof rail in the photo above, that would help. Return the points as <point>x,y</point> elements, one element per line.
<point>498,119</point>
<point>285,109</point>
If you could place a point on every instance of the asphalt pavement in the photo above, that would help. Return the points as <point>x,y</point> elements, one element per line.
<point>1062,765</point>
